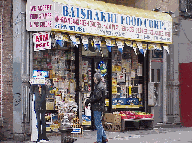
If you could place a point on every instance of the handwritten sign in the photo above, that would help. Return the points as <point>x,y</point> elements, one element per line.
<point>42,41</point>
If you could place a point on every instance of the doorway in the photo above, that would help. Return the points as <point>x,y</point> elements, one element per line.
<point>91,65</point>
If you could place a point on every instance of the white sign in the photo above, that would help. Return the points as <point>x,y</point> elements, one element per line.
<point>37,80</point>
<point>76,130</point>
<point>102,23</point>
<point>45,15</point>
<point>42,41</point>
<point>151,94</point>
<point>39,15</point>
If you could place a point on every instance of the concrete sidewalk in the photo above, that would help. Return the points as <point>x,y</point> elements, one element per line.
<point>157,135</point>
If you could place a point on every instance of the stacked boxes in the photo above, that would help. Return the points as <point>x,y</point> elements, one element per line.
<point>112,122</point>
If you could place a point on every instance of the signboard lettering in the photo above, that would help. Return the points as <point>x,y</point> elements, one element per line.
<point>49,15</point>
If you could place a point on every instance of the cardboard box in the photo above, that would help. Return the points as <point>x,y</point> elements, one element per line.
<point>112,127</point>
<point>111,118</point>
<point>116,127</point>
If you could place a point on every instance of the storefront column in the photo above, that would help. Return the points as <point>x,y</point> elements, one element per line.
<point>146,63</point>
<point>110,80</point>
<point>176,109</point>
<point>80,82</point>
<point>164,85</point>
<point>21,51</point>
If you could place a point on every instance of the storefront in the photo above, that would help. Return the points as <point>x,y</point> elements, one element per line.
<point>74,39</point>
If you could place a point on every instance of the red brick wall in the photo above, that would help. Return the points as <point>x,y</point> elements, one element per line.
<point>7,69</point>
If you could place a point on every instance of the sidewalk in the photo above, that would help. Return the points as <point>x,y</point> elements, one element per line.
<point>160,135</point>
<point>157,135</point>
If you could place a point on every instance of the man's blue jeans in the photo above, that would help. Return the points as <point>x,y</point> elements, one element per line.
<point>99,126</point>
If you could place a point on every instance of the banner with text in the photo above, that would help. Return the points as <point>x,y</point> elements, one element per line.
<point>69,18</point>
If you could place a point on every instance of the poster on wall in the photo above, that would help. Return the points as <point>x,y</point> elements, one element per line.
<point>151,94</point>
<point>132,73</point>
<point>139,70</point>
<point>121,77</point>
<point>140,88</point>
<point>114,86</point>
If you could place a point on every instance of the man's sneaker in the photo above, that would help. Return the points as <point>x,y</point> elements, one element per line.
<point>104,140</point>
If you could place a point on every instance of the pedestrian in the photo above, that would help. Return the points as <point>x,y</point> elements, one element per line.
<point>97,101</point>
<point>40,109</point>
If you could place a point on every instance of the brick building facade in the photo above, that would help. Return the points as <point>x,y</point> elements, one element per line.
<point>14,77</point>
<point>6,102</point>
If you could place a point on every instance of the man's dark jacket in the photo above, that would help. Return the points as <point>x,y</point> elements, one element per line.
<point>40,100</point>
<point>97,100</point>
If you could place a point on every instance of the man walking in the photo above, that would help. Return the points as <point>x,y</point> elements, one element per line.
<point>98,103</point>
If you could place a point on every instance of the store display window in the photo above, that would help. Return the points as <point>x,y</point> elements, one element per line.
<point>58,66</point>
<point>127,78</point>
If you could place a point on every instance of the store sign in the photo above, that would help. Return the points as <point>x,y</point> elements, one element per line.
<point>89,21</point>
<point>49,15</point>
<point>39,15</point>
<point>42,41</point>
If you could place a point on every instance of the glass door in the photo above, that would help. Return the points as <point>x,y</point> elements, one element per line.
<point>87,86</point>
<point>91,65</point>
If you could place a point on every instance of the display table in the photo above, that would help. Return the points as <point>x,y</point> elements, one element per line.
<point>137,123</point>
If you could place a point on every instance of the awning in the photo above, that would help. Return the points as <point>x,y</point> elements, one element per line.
<point>97,18</point>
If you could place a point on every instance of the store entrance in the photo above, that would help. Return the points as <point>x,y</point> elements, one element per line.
<point>90,66</point>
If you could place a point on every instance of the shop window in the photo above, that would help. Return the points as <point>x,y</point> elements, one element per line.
<point>126,78</point>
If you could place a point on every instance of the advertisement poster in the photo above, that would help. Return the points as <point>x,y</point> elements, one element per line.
<point>121,77</point>
<point>132,73</point>
<point>140,88</point>
<point>139,70</point>
<point>114,87</point>
<point>151,94</point>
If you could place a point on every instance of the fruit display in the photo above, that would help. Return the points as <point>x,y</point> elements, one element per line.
<point>134,115</point>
